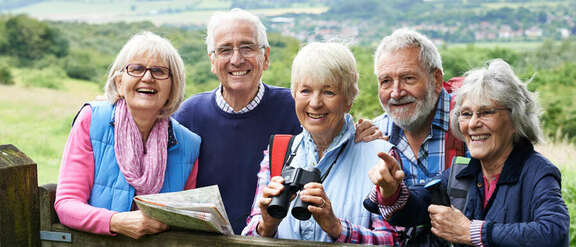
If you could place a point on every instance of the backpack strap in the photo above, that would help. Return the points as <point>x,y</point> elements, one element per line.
<point>458,187</point>
<point>279,152</point>
<point>453,146</point>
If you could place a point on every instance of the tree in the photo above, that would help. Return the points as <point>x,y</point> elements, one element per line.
<point>29,39</point>
<point>3,38</point>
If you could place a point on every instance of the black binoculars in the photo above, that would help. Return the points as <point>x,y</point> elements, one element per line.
<point>438,193</point>
<point>294,181</point>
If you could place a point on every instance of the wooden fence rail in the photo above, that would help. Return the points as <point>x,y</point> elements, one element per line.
<point>27,217</point>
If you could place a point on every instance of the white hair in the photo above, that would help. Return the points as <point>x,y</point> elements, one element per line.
<point>326,63</point>
<point>404,38</point>
<point>221,18</point>
<point>497,82</point>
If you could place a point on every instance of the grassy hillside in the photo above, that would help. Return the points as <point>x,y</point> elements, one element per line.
<point>177,12</point>
<point>37,120</point>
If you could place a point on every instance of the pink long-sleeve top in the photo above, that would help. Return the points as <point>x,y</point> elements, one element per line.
<point>77,178</point>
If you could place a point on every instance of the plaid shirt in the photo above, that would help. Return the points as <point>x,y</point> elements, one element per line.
<point>430,161</point>
<point>221,102</point>
<point>380,232</point>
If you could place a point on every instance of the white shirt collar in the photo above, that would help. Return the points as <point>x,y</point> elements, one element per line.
<point>222,104</point>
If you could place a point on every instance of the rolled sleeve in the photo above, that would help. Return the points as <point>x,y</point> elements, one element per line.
<point>386,207</point>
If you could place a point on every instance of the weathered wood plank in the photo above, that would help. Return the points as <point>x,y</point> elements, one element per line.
<point>46,197</point>
<point>177,239</point>
<point>171,238</point>
<point>19,213</point>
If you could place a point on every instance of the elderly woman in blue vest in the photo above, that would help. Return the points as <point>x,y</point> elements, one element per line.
<point>324,85</point>
<point>129,145</point>
<point>513,193</point>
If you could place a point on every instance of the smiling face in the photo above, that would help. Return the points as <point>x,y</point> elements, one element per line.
<point>238,73</point>
<point>407,92</point>
<point>144,94</point>
<point>489,139</point>
<point>321,107</point>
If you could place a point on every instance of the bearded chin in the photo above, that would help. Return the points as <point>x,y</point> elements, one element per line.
<point>415,121</point>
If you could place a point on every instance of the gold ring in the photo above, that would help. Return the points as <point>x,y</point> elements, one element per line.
<point>323,203</point>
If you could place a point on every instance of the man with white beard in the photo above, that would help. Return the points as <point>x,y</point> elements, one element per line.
<point>409,71</point>
<point>417,118</point>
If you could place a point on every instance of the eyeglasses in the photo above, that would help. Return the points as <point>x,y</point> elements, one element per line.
<point>484,114</point>
<point>157,72</point>
<point>247,51</point>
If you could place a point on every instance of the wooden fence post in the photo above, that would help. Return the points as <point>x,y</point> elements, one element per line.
<point>19,212</point>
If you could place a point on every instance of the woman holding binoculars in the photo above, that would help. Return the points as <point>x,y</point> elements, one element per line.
<point>328,168</point>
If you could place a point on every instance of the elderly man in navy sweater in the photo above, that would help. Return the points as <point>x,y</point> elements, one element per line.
<point>236,120</point>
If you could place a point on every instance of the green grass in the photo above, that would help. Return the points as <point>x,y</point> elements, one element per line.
<point>37,120</point>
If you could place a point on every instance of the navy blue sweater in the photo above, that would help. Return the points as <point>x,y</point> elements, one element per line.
<point>232,144</point>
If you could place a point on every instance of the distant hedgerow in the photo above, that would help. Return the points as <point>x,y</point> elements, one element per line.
<point>6,76</point>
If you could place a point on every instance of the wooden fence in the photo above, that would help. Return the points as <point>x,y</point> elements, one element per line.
<point>27,217</point>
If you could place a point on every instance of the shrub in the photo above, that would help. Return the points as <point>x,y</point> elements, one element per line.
<point>79,65</point>
<point>6,76</point>
<point>50,77</point>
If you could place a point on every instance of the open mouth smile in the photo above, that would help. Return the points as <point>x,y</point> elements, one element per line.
<point>239,73</point>
<point>316,116</point>
<point>479,137</point>
<point>148,91</point>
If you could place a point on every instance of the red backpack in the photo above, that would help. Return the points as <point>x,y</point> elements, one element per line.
<point>453,146</point>
<point>279,151</point>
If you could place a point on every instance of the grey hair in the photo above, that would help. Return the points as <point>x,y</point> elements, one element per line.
<point>148,43</point>
<point>236,14</point>
<point>497,82</point>
<point>404,38</point>
<point>331,63</point>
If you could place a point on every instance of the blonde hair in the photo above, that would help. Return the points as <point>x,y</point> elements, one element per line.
<point>151,44</point>
<point>331,63</point>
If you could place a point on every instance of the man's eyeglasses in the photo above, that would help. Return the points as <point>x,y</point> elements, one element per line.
<point>484,114</point>
<point>247,51</point>
<point>157,72</point>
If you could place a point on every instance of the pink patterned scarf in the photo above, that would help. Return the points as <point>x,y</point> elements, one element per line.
<point>143,170</point>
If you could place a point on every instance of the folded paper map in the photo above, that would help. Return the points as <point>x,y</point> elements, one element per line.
<point>197,209</point>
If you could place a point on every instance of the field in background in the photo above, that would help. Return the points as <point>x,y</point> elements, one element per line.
<point>178,12</point>
<point>525,5</point>
<point>517,45</point>
<point>38,120</point>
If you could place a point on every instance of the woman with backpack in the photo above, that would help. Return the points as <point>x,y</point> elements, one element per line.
<point>513,197</point>
<point>324,167</point>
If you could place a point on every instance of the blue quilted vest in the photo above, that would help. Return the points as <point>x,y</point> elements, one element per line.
<point>110,189</point>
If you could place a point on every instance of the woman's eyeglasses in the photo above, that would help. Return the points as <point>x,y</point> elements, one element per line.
<point>484,114</point>
<point>157,72</point>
